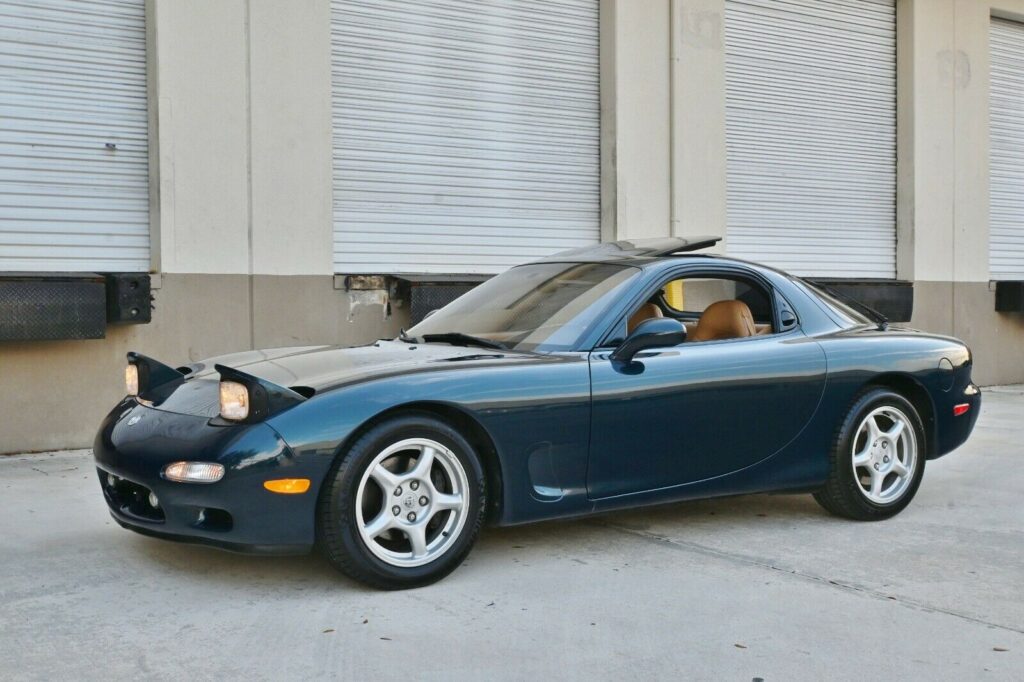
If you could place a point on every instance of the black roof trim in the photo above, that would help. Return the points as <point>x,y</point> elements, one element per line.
<point>639,248</point>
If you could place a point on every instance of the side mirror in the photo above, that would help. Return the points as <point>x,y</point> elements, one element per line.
<point>657,332</point>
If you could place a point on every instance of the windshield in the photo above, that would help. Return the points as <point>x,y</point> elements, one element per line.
<point>541,306</point>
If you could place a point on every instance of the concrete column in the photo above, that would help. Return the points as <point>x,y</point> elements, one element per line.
<point>698,149</point>
<point>199,61</point>
<point>635,119</point>
<point>943,186</point>
<point>925,186</point>
<point>290,104</point>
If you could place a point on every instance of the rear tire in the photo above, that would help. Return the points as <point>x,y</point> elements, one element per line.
<point>404,505</point>
<point>877,458</point>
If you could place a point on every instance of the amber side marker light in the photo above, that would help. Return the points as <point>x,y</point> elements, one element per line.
<point>961,409</point>
<point>287,486</point>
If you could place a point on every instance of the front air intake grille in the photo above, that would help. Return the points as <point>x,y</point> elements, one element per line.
<point>130,499</point>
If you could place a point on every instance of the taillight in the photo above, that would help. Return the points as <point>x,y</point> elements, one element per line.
<point>961,409</point>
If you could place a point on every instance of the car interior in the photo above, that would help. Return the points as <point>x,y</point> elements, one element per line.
<point>711,309</point>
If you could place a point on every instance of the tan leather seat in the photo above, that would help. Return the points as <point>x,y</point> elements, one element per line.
<point>724,320</point>
<point>646,312</point>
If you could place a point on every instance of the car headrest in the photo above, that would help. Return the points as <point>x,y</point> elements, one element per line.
<point>724,320</point>
<point>645,312</point>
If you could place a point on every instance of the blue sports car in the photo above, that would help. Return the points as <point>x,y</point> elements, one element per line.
<point>625,374</point>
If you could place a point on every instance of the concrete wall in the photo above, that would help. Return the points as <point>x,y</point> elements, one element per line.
<point>942,183</point>
<point>55,393</point>
<point>241,186</point>
<point>242,92</point>
<point>943,190</point>
<point>240,172</point>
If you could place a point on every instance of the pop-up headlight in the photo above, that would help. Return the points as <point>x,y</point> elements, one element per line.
<point>234,400</point>
<point>131,379</point>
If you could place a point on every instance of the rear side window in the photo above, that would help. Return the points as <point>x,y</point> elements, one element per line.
<point>843,310</point>
<point>689,297</point>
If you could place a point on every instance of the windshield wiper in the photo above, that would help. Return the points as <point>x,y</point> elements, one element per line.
<point>402,336</point>
<point>460,339</point>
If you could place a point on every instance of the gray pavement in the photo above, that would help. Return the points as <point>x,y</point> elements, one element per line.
<point>755,587</point>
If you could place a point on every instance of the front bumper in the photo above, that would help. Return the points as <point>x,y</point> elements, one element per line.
<point>237,513</point>
<point>271,550</point>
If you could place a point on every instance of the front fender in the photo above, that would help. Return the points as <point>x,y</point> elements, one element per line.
<point>538,410</point>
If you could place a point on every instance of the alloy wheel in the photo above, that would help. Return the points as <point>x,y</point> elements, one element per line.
<point>411,502</point>
<point>885,455</point>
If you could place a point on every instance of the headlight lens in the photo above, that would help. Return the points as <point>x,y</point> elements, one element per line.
<point>234,400</point>
<point>194,472</point>
<point>131,379</point>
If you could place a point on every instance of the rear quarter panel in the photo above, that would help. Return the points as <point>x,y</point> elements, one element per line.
<point>938,366</point>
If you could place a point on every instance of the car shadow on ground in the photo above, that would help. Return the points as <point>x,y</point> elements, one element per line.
<point>722,515</point>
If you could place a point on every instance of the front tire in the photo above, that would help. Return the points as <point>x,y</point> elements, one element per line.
<point>404,505</point>
<point>877,459</point>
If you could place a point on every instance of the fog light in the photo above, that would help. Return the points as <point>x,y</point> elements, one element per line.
<point>153,501</point>
<point>112,480</point>
<point>194,472</point>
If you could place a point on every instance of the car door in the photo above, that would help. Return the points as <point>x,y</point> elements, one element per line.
<point>698,410</point>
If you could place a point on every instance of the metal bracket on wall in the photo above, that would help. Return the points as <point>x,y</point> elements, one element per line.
<point>52,306</point>
<point>129,298</point>
<point>427,293</point>
<point>58,306</point>
<point>1010,296</point>
<point>361,282</point>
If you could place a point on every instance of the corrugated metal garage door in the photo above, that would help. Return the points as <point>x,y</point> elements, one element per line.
<point>811,135</point>
<point>1006,165</point>
<point>73,126</point>
<point>466,133</point>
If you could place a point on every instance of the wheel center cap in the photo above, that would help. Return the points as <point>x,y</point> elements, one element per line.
<point>409,501</point>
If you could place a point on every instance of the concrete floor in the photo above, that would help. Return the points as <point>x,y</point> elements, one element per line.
<point>755,587</point>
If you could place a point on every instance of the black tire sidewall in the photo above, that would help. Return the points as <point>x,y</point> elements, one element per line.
<point>849,489</point>
<point>337,524</point>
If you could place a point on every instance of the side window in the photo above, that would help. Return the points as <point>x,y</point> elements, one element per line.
<point>738,307</point>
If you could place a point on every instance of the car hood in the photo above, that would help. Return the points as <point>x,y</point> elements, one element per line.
<point>324,367</point>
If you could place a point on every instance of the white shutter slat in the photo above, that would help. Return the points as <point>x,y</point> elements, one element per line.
<point>1006,143</point>
<point>72,81</point>
<point>466,133</point>
<point>811,135</point>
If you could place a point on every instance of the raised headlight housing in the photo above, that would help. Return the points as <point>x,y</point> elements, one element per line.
<point>234,401</point>
<point>245,399</point>
<point>131,379</point>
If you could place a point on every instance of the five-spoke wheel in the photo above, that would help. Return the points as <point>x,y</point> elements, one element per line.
<point>884,454</point>
<point>404,503</point>
<point>877,460</point>
<point>411,501</point>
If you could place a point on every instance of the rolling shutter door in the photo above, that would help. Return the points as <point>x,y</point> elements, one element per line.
<point>466,133</point>
<point>811,135</point>
<point>74,190</point>
<point>1006,165</point>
